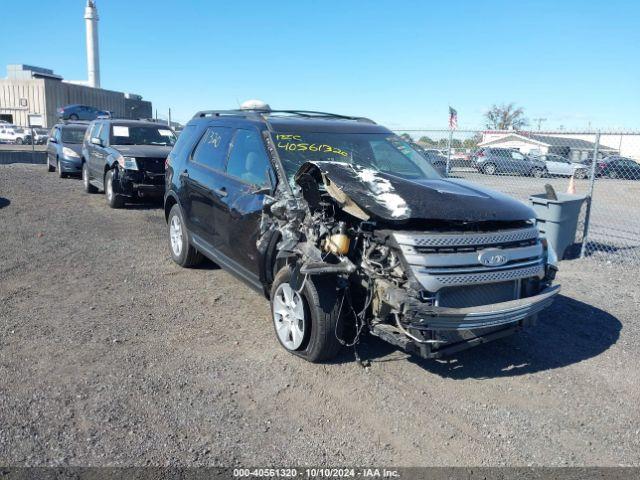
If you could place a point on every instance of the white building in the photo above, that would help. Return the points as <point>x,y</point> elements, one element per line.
<point>574,146</point>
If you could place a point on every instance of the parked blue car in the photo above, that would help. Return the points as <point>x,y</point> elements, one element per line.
<point>81,112</point>
<point>64,148</point>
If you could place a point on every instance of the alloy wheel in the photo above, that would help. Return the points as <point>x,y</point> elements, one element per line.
<point>175,235</point>
<point>289,316</point>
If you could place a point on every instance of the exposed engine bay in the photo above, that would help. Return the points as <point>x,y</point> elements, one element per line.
<point>415,265</point>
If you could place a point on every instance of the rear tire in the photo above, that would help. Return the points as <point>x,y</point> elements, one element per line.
<point>182,252</point>
<point>537,172</point>
<point>85,180</point>
<point>489,169</point>
<point>613,174</point>
<point>316,319</point>
<point>113,199</point>
<point>19,141</point>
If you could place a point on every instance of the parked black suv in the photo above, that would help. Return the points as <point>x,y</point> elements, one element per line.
<point>347,229</point>
<point>126,159</point>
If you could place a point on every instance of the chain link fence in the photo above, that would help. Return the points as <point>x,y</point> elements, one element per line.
<point>602,166</point>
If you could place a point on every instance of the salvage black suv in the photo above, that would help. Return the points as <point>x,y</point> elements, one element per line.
<point>349,230</point>
<point>126,159</point>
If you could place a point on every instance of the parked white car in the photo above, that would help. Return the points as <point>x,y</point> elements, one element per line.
<point>560,166</point>
<point>13,134</point>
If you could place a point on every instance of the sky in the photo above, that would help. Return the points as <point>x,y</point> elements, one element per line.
<point>401,63</point>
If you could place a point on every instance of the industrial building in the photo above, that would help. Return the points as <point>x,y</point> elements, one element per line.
<point>31,95</point>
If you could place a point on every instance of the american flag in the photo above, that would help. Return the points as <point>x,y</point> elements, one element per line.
<point>453,118</point>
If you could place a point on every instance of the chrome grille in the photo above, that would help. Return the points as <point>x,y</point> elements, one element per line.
<point>466,239</point>
<point>461,264</point>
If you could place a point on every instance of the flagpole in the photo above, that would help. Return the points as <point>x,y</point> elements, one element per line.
<point>449,150</point>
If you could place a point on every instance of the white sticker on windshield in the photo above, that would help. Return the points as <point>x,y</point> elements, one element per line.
<point>165,133</point>
<point>120,131</point>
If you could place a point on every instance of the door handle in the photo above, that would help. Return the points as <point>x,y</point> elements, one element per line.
<point>222,192</point>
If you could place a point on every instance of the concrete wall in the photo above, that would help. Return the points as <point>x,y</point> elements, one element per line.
<point>22,156</point>
<point>62,93</point>
<point>12,91</point>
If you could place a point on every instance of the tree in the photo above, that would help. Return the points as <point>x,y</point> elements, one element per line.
<point>473,141</point>
<point>505,117</point>
<point>424,140</point>
<point>406,137</point>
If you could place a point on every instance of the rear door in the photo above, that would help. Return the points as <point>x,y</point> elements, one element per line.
<point>518,163</point>
<point>99,158</point>
<point>202,182</point>
<point>239,218</point>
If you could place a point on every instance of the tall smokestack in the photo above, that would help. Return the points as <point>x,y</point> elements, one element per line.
<point>93,53</point>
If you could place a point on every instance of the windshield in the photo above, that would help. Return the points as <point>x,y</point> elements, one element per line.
<point>383,152</point>
<point>73,135</point>
<point>142,135</point>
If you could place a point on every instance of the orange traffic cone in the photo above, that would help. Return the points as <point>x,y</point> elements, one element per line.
<point>571,189</point>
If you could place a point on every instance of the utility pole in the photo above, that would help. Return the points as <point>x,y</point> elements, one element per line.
<point>539,120</point>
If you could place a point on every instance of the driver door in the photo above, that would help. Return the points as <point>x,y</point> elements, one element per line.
<point>246,173</point>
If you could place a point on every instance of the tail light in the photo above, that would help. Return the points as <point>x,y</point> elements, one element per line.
<point>480,154</point>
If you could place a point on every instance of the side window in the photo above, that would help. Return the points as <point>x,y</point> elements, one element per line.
<point>93,131</point>
<point>248,160</point>
<point>212,148</point>
<point>185,140</point>
<point>104,133</point>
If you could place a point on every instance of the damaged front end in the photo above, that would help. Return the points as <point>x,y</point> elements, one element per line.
<point>432,267</point>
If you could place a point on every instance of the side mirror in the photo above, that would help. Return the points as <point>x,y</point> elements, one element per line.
<point>52,140</point>
<point>96,141</point>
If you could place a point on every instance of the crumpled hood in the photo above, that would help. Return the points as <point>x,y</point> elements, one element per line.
<point>148,151</point>
<point>392,198</point>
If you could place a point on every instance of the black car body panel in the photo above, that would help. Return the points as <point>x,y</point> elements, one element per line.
<point>442,199</point>
<point>407,234</point>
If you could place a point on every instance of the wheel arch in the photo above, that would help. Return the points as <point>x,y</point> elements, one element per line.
<point>170,200</point>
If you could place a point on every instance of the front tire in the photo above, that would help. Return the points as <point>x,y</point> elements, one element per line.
<point>613,174</point>
<point>489,169</point>
<point>50,168</point>
<point>85,180</point>
<point>306,322</point>
<point>182,252</point>
<point>113,199</point>
<point>19,141</point>
<point>61,174</point>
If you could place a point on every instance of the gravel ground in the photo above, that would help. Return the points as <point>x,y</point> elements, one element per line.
<point>112,355</point>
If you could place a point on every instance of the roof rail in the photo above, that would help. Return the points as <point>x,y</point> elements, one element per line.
<point>258,112</point>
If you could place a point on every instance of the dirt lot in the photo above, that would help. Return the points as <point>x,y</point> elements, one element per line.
<point>112,355</point>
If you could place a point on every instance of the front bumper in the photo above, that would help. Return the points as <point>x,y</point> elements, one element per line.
<point>140,183</point>
<point>426,317</point>
<point>71,164</point>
